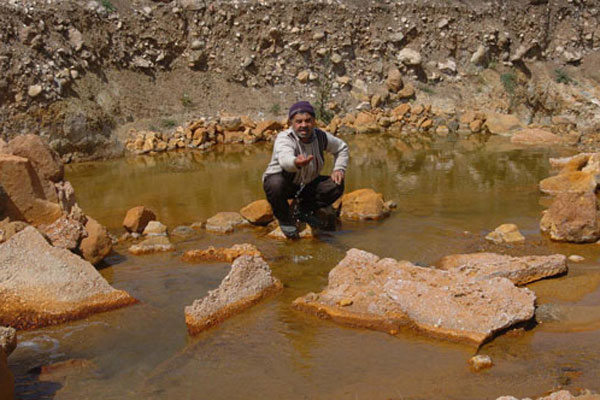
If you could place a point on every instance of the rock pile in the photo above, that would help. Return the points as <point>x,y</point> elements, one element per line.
<point>388,295</point>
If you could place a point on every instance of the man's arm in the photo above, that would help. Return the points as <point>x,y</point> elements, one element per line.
<point>284,148</point>
<point>341,154</point>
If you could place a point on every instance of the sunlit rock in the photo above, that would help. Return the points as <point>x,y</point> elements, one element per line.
<point>305,232</point>
<point>387,295</point>
<point>248,282</point>
<point>97,244</point>
<point>536,137</point>
<point>154,244</point>
<point>572,217</point>
<point>502,124</point>
<point>66,232</point>
<point>480,362</point>
<point>225,222</point>
<point>364,204</point>
<point>221,254</point>
<point>43,285</point>
<point>137,218</point>
<point>506,233</point>
<point>258,212</point>
<point>519,270</point>
<point>575,181</point>
<point>46,161</point>
<point>155,228</point>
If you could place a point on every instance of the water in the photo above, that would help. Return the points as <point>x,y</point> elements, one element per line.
<point>449,196</point>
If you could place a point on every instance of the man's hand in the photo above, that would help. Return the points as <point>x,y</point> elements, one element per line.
<point>302,160</point>
<point>337,176</point>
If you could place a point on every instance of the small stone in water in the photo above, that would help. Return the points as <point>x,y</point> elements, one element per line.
<point>576,258</point>
<point>480,362</point>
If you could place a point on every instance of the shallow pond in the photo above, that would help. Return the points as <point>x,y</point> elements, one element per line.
<point>449,196</point>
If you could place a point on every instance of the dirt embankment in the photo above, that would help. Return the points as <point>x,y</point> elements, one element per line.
<point>77,73</point>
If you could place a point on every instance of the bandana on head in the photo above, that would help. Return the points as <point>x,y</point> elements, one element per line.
<point>301,107</point>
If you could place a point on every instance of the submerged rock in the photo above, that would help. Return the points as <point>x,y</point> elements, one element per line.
<point>43,285</point>
<point>248,282</point>
<point>363,204</point>
<point>305,232</point>
<point>520,270</point>
<point>225,222</point>
<point>387,294</point>
<point>221,254</point>
<point>137,218</point>
<point>506,233</point>
<point>258,212</point>
<point>480,362</point>
<point>154,244</point>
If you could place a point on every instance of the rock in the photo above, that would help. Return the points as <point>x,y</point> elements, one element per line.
<point>401,110</point>
<point>230,123</point>
<point>506,233</point>
<point>248,282</point>
<point>8,340</point>
<point>559,395</point>
<point>502,124</point>
<point>576,258</point>
<point>46,161</point>
<point>409,57</point>
<point>572,217</point>
<point>221,254</point>
<point>479,57</point>
<point>448,67</point>
<point>519,270</point>
<point>569,182</point>
<point>25,198</point>
<point>11,228</point>
<point>75,38</point>
<point>407,92</point>
<point>225,222</point>
<point>183,231</point>
<point>306,232</point>
<point>394,79</point>
<point>97,244</point>
<point>303,76</point>
<point>155,228</point>
<point>336,59</point>
<point>258,212</point>
<point>66,196</point>
<point>34,90</point>
<point>387,295</point>
<point>480,362</point>
<point>137,218</point>
<point>59,371</point>
<point>65,232</point>
<point>43,285</point>
<point>536,137</point>
<point>363,204</point>
<point>154,244</point>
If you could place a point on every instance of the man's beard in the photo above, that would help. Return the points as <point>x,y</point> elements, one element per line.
<point>306,136</point>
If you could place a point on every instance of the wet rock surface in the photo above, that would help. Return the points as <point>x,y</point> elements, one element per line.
<point>506,233</point>
<point>221,254</point>
<point>364,204</point>
<point>153,244</point>
<point>258,212</point>
<point>225,222</point>
<point>519,270</point>
<point>42,285</point>
<point>386,294</point>
<point>248,282</point>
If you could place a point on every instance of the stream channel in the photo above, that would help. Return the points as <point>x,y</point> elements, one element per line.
<point>449,196</point>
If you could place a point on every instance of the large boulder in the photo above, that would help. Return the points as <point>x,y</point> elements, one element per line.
<point>248,282</point>
<point>43,285</point>
<point>221,254</point>
<point>225,222</point>
<point>137,218</point>
<point>97,244</point>
<point>519,270</point>
<point>258,212</point>
<point>45,160</point>
<point>388,295</point>
<point>502,124</point>
<point>536,137</point>
<point>364,204</point>
<point>25,196</point>
<point>572,217</point>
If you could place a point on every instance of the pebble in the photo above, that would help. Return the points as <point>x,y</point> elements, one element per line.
<point>576,258</point>
<point>480,362</point>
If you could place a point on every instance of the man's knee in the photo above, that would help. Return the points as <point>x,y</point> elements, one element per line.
<point>275,185</point>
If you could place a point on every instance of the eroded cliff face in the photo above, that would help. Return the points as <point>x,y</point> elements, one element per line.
<point>77,72</point>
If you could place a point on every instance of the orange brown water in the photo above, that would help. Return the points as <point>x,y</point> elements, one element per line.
<point>448,197</point>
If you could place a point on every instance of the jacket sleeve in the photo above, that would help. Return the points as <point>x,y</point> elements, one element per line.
<point>340,151</point>
<point>284,147</point>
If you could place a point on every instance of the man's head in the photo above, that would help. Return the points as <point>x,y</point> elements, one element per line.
<point>302,120</point>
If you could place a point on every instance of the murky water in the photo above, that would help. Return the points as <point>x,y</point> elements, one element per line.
<point>448,197</point>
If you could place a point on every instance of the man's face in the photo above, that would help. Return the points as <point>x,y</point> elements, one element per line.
<point>303,124</point>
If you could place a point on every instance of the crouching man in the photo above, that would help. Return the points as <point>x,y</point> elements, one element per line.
<point>295,167</point>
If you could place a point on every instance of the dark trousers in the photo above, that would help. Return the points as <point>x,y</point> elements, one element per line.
<point>320,192</point>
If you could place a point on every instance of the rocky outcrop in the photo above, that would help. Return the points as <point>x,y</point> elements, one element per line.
<point>506,233</point>
<point>248,282</point>
<point>388,295</point>
<point>572,217</point>
<point>225,222</point>
<point>520,270</point>
<point>137,218</point>
<point>364,204</point>
<point>42,285</point>
<point>258,212</point>
<point>221,254</point>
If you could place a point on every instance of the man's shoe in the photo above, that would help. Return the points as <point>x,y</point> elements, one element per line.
<point>290,231</point>
<point>311,219</point>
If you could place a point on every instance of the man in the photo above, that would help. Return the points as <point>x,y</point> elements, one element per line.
<point>294,169</point>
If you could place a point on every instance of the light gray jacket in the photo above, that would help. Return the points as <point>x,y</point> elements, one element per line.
<point>288,146</point>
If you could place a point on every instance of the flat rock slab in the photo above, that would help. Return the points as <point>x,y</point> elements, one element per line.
<point>43,285</point>
<point>154,244</point>
<point>221,254</point>
<point>386,294</point>
<point>520,270</point>
<point>248,282</point>
<point>225,222</point>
